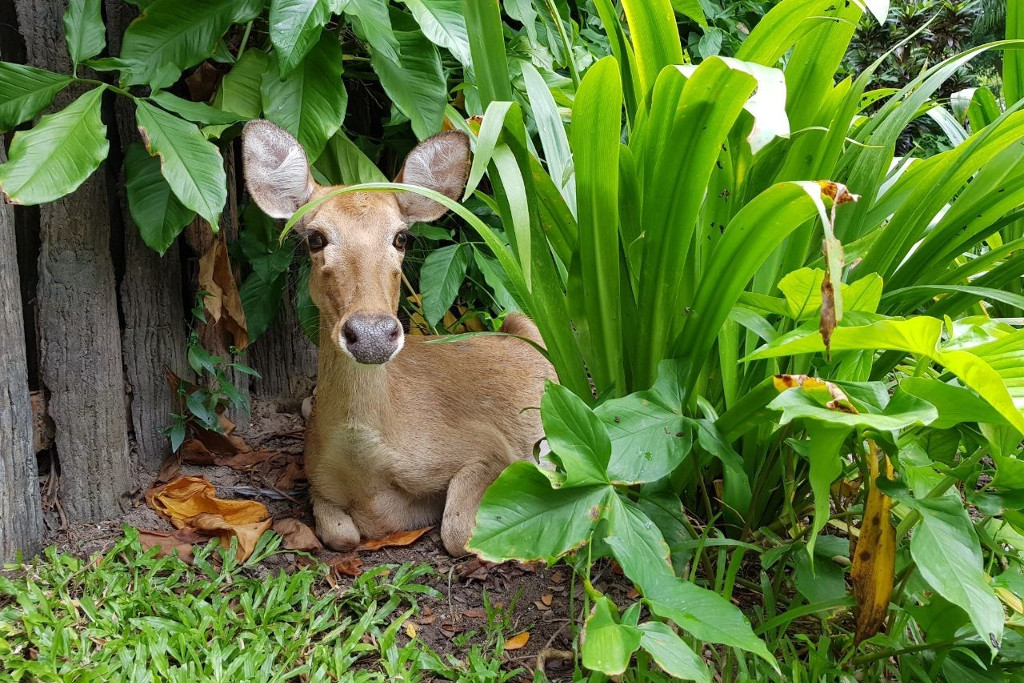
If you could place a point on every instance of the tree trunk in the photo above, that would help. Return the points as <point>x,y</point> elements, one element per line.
<point>80,345</point>
<point>284,356</point>
<point>21,518</point>
<point>151,297</point>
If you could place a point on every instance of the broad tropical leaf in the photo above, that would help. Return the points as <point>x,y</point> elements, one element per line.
<point>83,30</point>
<point>25,91</point>
<point>59,154</point>
<point>295,27</point>
<point>197,112</point>
<point>240,88</point>
<point>441,276</point>
<point>607,645</point>
<point>414,81</point>
<point>158,214</point>
<point>442,22</point>
<point>309,102</point>
<point>374,21</point>
<point>191,164</point>
<point>172,36</point>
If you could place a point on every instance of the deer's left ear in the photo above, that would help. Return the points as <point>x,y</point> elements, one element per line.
<point>439,163</point>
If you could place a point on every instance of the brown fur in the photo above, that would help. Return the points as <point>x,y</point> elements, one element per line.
<point>418,439</point>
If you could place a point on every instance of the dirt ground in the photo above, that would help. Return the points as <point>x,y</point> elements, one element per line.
<point>538,597</point>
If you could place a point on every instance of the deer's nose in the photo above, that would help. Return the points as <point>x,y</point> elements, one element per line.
<point>372,338</point>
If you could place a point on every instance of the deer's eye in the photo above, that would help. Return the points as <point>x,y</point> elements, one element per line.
<point>402,240</point>
<point>316,241</point>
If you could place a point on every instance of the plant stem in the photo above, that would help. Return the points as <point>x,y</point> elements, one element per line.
<point>565,41</point>
<point>113,88</point>
<point>886,654</point>
<point>911,519</point>
<point>245,39</point>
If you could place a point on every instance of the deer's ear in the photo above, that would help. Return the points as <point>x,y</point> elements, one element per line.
<point>276,170</point>
<point>439,163</point>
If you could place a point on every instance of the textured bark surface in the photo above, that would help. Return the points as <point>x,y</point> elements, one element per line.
<point>284,356</point>
<point>21,518</point>
<point>80,345</point>
<point>151,297</point>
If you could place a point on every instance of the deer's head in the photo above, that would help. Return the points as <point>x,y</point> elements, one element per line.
<point>356,241</point>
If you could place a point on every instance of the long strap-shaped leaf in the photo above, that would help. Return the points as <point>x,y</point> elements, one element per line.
<point>652,26</point>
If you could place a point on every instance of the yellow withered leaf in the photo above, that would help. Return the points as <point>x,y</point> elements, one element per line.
<point>874,553</point>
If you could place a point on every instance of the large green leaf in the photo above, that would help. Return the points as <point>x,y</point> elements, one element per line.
<point>158,214</point>
<point>54,158</point>
<point>415,82</point>
<point>342,162</point>
<point>240,88</point>
<point>197,112</point>
<point>671,652</point>
<point>487,46</point>
<point>607,645</point>
<point>1013,60</point>
<point>441,277</point>
<point>650,436</point>
<point>25,91</point>
<point>521,516</point>
<point>577,437</point>
<point>171,36</point>
<point>442,22</point>
<point>295,27</point>
<point>261,300</point>
<point>705,615</point>
<point>947,552</point>
<point>191,164</point>
<point>309,102</point>
<point>83,30</point>
<point>596,129</point>
<point>374,21</point>
<point>637,544</point>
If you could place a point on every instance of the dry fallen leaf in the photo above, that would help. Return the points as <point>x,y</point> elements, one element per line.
<point>296,535</point>
<point>633,594</point>
<point>517,642</point>
<point>189,503</point>
<point>292,474</point>
<point>348,564</point>
<point>410,629</point>
<point>169,541</point>
<point>475,613</point>
<point>541,606</point>
<point>874,553</point>
<point>557,577</point>
<point>223,302</point>
<point>247,534</point>
<point>399,538</point>
<point>546,599</point>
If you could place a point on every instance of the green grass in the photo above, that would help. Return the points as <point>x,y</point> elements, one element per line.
<point>129,615</point>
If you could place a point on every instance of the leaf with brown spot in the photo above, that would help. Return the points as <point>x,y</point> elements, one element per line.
<point>223,301</point>
<point>297,536</point>
<point>874,553</point>
<point>398,538</point>
<point>518,642</point>
<point>180,540</point>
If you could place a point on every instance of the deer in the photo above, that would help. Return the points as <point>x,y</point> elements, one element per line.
<point>404,433</point>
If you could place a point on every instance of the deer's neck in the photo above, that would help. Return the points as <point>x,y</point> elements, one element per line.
<point>348,392</point>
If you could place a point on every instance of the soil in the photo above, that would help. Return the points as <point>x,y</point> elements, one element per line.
<point>538,597</point>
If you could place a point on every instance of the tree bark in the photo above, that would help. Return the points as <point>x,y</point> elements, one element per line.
<point>151,297</point>
<point>21,517</point>
<point>284,356</point>
<point>80,345</point>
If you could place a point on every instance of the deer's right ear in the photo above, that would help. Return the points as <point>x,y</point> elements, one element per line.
<point>276,169</point>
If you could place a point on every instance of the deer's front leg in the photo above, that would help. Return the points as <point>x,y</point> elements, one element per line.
<point>334,526</point>
<point>464,493</point>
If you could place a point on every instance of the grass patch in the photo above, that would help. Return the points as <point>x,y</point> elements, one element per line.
<point>129,615</point>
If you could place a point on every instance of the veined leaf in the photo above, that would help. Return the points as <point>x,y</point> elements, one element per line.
<point>441,277</point>
<point>197,112</point>
<point>415,82</point>
<point>442,22</point>
<point>375,22</point>
<point>240,88</point>
<point>58,155</point>
<point>521,516</point>
<point>171,36</point>
<point>191,164</point>
<point>260,301</point>
<point>158,214</point>
<point>608,645</point>
<point>83,30</point>
<point>577,437</point>
<point>25,91</point>
<point>637,544</point>
<point>309,102</point>
<point>295,27</point>
<point>671,652</point>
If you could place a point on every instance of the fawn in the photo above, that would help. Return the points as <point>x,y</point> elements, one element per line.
<point>404,433</point>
